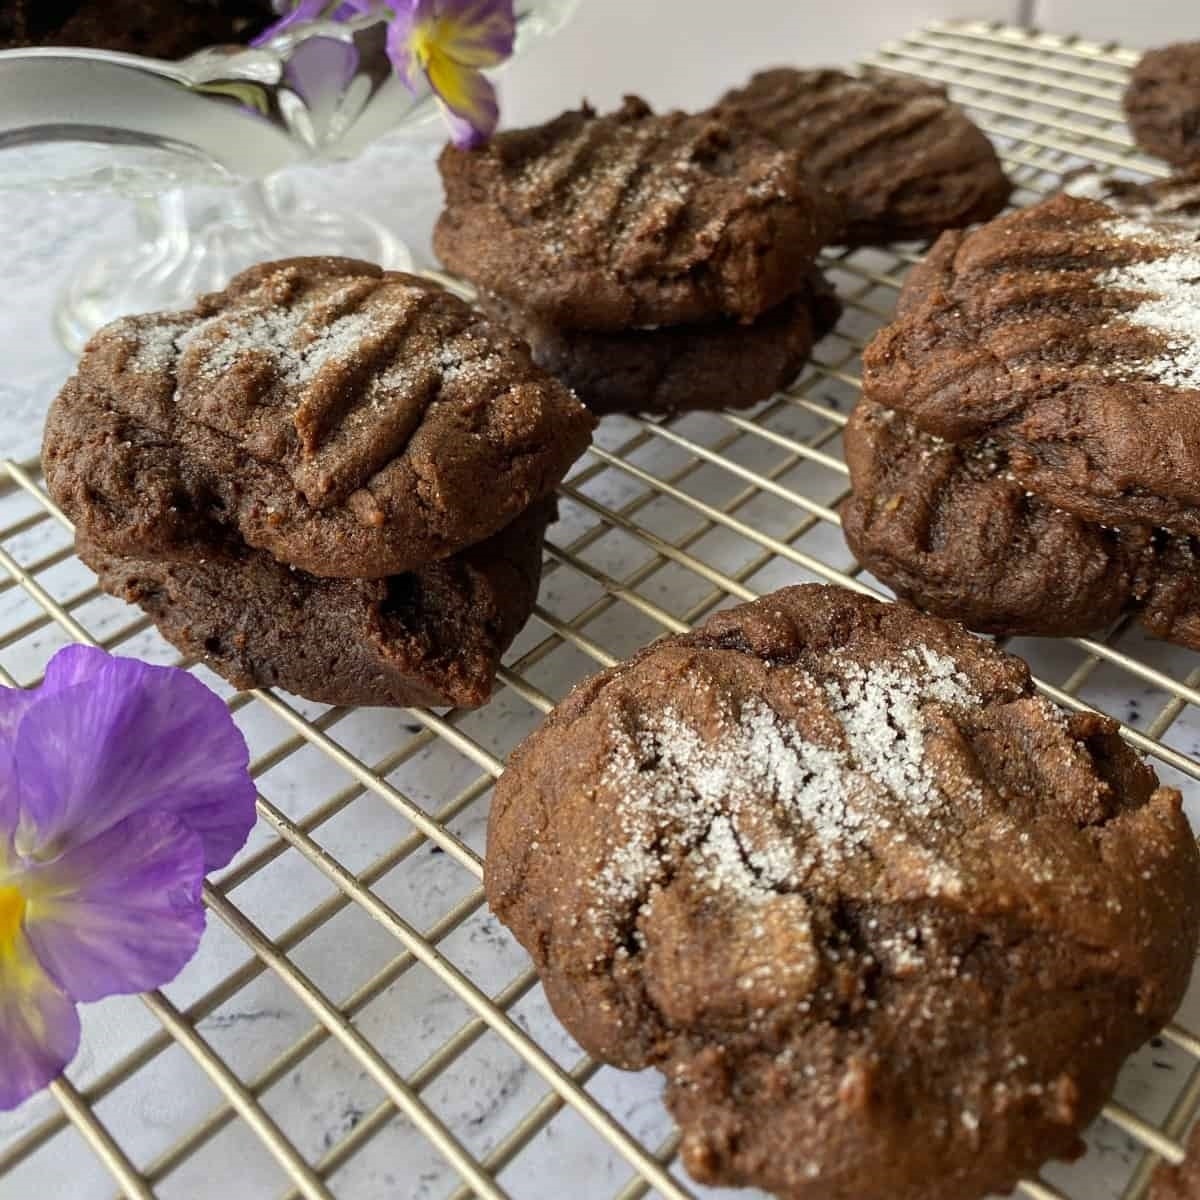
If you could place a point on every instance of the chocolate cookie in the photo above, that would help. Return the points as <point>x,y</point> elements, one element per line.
<point>888,922</point>
<point>946,526</point>
<point>632,219</point>
<point>1169,590</point>
<point>434,636</point>
<point>1173,201</point>
<point>905,161</point>
<point>1162,103</point>
<point>1182,1182</point>
<point>927,274</point>
<point>351,422</point>
<point>679,368</point>
<point>160,28</point>
<point>1068,335</point>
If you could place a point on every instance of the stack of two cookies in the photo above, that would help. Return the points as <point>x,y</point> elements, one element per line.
<point>653,263</point>
<point>1026,457</point>
<point>663,263</point>
<point>327,478</point>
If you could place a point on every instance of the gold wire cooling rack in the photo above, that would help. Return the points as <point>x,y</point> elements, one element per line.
<point>357,1025</point>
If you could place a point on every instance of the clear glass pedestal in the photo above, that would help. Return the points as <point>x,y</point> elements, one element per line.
<point>191,241</point>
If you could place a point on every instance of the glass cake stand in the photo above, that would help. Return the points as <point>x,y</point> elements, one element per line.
<point>198,146</point>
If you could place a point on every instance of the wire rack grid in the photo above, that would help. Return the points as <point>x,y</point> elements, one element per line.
<point>357,1024</point>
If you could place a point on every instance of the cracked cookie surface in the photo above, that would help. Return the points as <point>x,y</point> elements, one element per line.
<point>349,421</point>
<point>887,921</point>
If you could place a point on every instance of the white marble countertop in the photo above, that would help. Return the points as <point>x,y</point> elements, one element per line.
<point>41,238</point>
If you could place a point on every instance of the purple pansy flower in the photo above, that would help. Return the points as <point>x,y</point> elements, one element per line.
<point>446,43</point>
<point>440,44</point>
<point>121,785</point>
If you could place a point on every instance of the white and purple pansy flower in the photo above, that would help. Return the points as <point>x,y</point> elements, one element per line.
<point>121,786</point>
<point>442,45</point>
<point>446,43</point>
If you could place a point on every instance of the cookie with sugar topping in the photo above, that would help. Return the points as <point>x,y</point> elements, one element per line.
<point>1070,335</point>
<point>349,421</point>
<point>904,159</point>
<point>632,219</point>
<point>948,527</point>
<point>887,921</point>
<point>1162,103</point>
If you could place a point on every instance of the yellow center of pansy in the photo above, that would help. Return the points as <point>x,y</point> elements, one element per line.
<point>424,41</point>
<point>12,916</point>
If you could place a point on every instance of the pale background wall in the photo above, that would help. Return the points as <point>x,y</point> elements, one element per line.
<point>682,52</point>
<point>1134,22</point>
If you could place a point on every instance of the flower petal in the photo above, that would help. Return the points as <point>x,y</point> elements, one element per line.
<point>129,738</point>
<point>314,10</point>
<point>321,68</point>
<point>122,913</point>
<point>468,99</point>
<point>462,133</point>
<point>71,665</point>
<point>9,803</point>
<point>304,10</point>
<point>400,42</point>
<point>39,1027</point>
<point>476,33</point>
